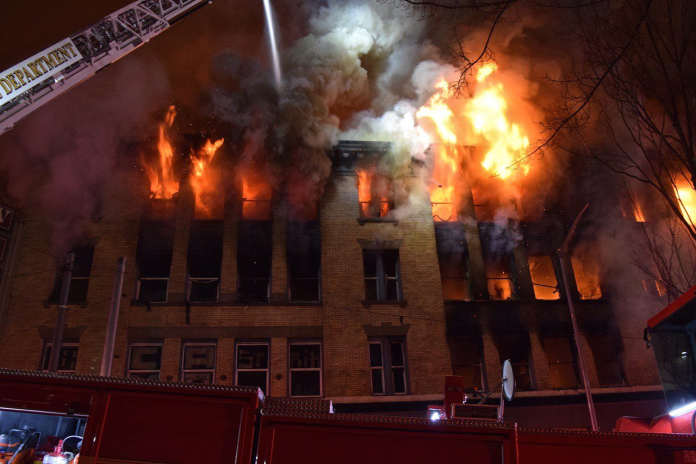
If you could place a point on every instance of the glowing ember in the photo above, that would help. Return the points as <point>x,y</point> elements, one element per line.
<point>161,176</point>
<point>487,113</point>
<point>203,182</point>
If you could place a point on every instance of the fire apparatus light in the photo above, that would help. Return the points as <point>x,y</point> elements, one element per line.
<point>683,410</point>
<point>435,416</point>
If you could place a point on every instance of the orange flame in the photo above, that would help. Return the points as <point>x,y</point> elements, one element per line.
<point>161,176</point>
<point>638,213</point>
<point>203,182</point>
<point>687,201</point>
<point>256,199</point>
<point>487,113</point>
<point>586,270</point>
<point>372,205</point>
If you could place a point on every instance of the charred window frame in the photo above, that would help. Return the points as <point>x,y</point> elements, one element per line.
<point>198,362</point>
<point>154,260</point>
<point>382,275</point>
<point>453,259</point>
<point>543,267</point>
<point>388,366</point>
<point>517,349</point>
<point>304,261</point>
<point>468,362</point>
<point>254,256</point>
<point>205,261</point>
<point>496,246</point>
<point>305,369</point>
<point>560,352</point>
<point>67,361</point>
<point>607,358</point>
<point>79,281</point>
<point>252,365</point>
<point>144,361</point>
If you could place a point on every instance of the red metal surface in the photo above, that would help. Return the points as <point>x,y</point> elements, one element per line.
<point>672,307</point>
<point>343,438</point>
<point>143,421</point>
<point>576,447</point>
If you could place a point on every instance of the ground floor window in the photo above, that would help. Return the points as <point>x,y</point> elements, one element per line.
<point>198,363</point>
<point>145,361</point>
<point>67,361</point>
<point>305,369</point>
<point>252,361</point>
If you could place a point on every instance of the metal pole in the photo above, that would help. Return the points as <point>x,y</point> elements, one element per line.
<point>62,310</point>
<point>112,325</point>
<point>576,332</point>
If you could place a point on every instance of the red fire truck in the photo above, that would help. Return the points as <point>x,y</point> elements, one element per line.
<point>116,420</point>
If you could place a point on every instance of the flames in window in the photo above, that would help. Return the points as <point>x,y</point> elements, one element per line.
<point>543,278</point>
<point>162,181</point>
<point>373,194</point>
<point>587,271</point>
<point>686,197</point>
<point>204,181</point>
<point>256,198</point>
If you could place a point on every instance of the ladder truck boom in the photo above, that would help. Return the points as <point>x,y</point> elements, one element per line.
<point>29,85</point>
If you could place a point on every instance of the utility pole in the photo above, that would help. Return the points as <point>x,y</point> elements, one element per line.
<point>112,325</point>
<point>562,253</point>
<point>62,310</point>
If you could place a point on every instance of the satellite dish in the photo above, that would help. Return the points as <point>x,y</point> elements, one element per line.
<point>508,381</point>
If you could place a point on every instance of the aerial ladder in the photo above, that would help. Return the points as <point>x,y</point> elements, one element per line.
<point>41,78</point>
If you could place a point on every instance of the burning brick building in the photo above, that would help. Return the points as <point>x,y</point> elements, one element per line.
<point>354,301</point>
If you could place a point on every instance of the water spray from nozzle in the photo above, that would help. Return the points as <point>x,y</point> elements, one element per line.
<point>274,45</point>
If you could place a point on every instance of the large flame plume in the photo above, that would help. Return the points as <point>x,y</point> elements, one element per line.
<point>162,181</point>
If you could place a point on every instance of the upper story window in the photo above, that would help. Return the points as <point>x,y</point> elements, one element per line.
<point>497,258</point>
<point>254,256</point>
<point>453,258</point>
<point>256,198</point>
<point>587,271</point>
<point>515,347</point>
<point>388,366</point>
<point>144,361</point>
<point>67,361</point>
<point>252,362</point>
<point>607,360</point>
<point>542,267</point>
<point>204,260</point>
<point>79,281</point>
<point>305,366</point>
<point>304,261</point>
<point>198,363</point>
<point>154,260</point>
<point>467,361</point>
<point>382,275</point>
<point>374,194</point>
<point>562,369</point>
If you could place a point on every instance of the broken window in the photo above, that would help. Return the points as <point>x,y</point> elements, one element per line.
<point>256,198</point>
<point>516,349</point>
<point>382,275</point>
<point>154,259</point>
<point>198,363</point>
<point>304,261</point>
<point>79,281</point>
<point>467,361</point>
<point>67,361</point>
<point>607,359</point>
<point>254,254</point>
<point>374,194</point>
<point>204,260</point>
<point>497,258</point>
<point>252,365</point>
<point>562,369</point>
<point>305,369</point>
<point>388,366</point>
<point>544,279</point>
<point>145,361</point>
<point>453,257</point>
<point>586,270</point>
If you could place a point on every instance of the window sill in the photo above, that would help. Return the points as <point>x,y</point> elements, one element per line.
<point>363,221</point>
<point>225,304</point>
<point>54,304</point>
<point>401,303</point>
